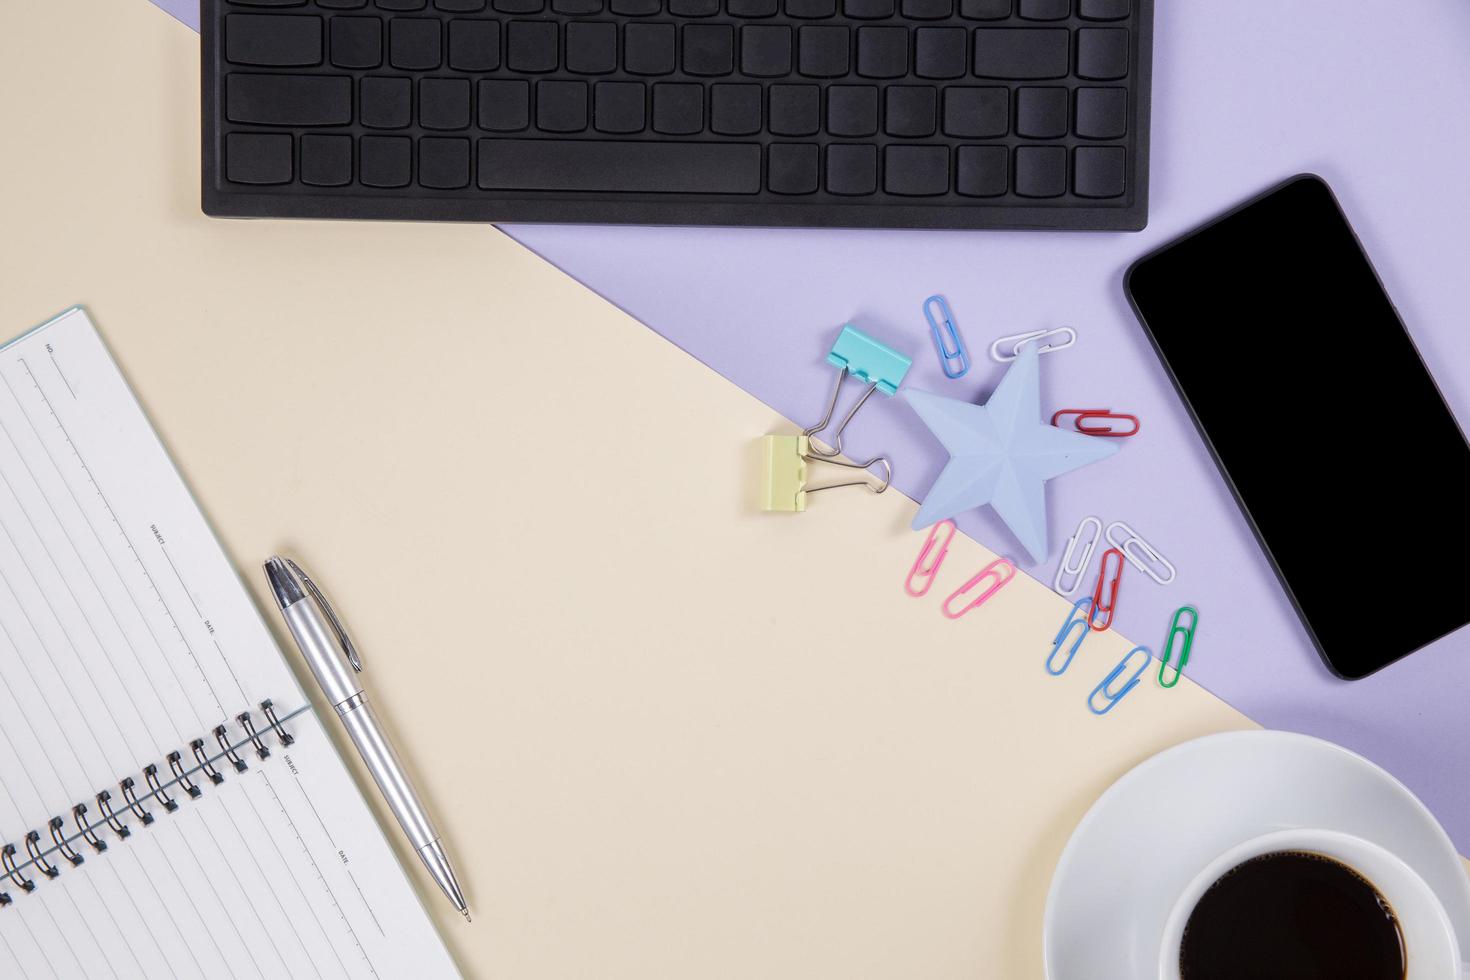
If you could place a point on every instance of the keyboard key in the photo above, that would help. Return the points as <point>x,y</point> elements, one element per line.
<point>976,113</point>
<point>927,9</point>
<point>709,49</point>
<point>910,110</point>
<point>883,52</point>
<point>811,9</point>
<point>694,8</point>
<point>1102,113</point>
<point>735,110</point>
<point>592,47</point>
<point>823,51</point>
<point>288,100</point>
<point>444,103</point>
<point>530,46</point>
<point>326,161</point>
<point>414,43</point>
<point>985,9</point>
<point>648,49</point>
<point>751,8</point>
<point>867,9</point>
<point>796,110</point>
<point>505,104</point>
<point>385,161</point>
<point>460,6</point>
<point>1045,9</point>
<point>1103,9</point>
<point>633,167</point>
<point>444,163</point>
<point>636,8</point>
<point>1021,52</point>
<point>852,110</point>
<point>576,7</point>
<point>518,6</point>
<point>678,108</point>
<point>1102,52</point>
<point>273,40</point>
<point>618,107</point>
<point>386,103</point>
<point>939,52</point>
<point>1041,113</point>
<point>401,4</point>
<point>982,171</point>
<point>274,3</point>
<point>1099,171</point>
<point>765,51</point>
<point>474,45</point>
<point>791,168</point>
<point>328,4</point>
<point>852,169</point>
<point>916,171</point>
<point>357,42</point>
<point>561,107</point>
<point>258,158</point>
<point>1041,171</point>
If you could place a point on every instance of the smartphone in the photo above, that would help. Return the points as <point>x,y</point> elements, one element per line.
<point>1322,417</point>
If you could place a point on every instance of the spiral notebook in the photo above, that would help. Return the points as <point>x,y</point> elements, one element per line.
<point>170,805</point>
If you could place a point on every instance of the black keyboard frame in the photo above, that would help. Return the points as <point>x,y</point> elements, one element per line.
<point>221,198</point>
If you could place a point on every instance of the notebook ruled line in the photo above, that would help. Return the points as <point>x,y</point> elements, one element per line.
<point>107,554</point>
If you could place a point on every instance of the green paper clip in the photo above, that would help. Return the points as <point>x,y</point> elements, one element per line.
<point>1175,628</point>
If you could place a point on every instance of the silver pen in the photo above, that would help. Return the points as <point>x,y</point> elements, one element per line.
<point>330,653</point>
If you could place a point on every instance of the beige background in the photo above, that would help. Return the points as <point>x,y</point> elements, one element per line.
<point>667,736</point>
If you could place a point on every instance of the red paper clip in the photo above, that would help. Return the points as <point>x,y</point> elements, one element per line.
<point>1000,569</point>
<point>926,573</point>
<point>1083,414</point>
<point>1098,609</point>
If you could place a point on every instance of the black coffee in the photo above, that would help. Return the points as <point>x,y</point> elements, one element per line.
<point>1292,915</point>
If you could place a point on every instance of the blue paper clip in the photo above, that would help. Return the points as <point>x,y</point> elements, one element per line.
<point>946,337</point>
<point>862,357</point>
<point>1113,675</point>
<point>1072,623</point>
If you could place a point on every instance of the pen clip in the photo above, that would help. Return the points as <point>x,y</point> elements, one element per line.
<point>331,614</point>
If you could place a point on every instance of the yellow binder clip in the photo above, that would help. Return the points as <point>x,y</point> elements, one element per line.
<point>784,462</point>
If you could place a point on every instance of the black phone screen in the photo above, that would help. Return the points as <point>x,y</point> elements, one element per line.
<point>1322,418</point>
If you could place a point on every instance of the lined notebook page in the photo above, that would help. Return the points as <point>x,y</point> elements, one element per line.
<point>125,635</point>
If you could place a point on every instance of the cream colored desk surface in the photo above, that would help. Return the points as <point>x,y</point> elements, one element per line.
<point>668,737</point>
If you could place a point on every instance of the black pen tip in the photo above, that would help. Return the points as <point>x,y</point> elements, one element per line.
<point>283,582</point>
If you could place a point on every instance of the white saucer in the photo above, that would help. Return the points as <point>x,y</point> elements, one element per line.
<point>1158,826</point>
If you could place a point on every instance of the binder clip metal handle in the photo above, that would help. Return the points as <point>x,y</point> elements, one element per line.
<point>784,473</point>
<point>862,357</point>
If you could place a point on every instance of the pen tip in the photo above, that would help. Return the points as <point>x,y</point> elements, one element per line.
<point>467,916</point>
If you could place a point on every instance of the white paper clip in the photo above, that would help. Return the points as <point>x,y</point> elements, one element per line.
<point>1140,553</point>
<point>1083,553</point>
<point>1009,348</point>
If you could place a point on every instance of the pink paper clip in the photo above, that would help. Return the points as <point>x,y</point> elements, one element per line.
<point>1001,570</point>
<point>926,573</point>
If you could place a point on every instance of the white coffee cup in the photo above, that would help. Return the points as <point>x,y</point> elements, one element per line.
<point>1431,948</point>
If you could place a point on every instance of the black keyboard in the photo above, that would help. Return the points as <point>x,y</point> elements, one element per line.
<point>849,113</point>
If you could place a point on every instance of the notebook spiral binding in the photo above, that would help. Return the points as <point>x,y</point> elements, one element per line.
<point>45,857</point>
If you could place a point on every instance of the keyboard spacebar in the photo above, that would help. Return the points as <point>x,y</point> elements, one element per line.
<point>594,165</point>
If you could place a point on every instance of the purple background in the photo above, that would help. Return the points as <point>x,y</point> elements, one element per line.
<point>1246,92</point>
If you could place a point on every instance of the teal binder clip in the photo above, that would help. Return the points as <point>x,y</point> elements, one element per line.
<point>879,366</point>
<point>867,360</point>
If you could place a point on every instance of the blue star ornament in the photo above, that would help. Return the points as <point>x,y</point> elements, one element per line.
<point>1002,453</point>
